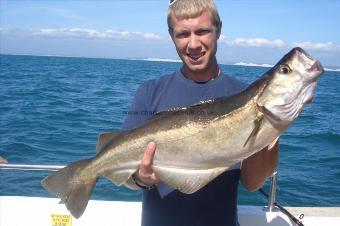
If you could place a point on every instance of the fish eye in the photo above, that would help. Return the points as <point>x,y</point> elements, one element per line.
<point>284,69</point>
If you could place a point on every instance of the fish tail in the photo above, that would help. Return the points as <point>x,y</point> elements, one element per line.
<point>73,189</point>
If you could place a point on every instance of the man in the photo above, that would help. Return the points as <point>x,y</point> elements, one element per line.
<point>194,27</point>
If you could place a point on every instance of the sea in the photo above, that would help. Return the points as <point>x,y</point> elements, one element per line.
<point>52,110</point>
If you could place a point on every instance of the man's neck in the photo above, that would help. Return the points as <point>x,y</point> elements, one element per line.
<point>201,76</point>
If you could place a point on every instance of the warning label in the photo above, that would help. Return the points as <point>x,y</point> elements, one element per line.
<point>61,220</point>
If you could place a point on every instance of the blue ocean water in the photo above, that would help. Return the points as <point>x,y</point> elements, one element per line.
<point>52,110</point>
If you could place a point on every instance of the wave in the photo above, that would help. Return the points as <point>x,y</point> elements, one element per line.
<point>241,63</point>
<point>330,69</point>
<point>162,60</point>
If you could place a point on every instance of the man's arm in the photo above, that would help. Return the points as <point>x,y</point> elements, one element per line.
<point>258,167</point>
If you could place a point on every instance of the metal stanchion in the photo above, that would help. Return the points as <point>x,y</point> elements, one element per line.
<point>272,194</point>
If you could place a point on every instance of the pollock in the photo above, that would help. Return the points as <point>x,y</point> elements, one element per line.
<point>197,143</point>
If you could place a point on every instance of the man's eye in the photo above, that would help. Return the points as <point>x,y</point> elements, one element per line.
<point>203,32</point>
<point>182,34</point>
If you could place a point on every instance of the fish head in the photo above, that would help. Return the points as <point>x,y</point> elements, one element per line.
<point>291,84</point>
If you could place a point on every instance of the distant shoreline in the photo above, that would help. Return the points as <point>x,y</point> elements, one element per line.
<point>241,63</point>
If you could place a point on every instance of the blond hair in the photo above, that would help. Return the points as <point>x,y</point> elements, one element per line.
<point>185,9</point>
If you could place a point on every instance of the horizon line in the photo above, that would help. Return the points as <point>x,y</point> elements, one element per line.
<point>156,59</point>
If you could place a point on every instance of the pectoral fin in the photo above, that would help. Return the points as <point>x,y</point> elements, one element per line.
<point>273,143</point>
<point>187,180</point>
<point>257,126</point>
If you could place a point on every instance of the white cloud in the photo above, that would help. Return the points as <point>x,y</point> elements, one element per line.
<point>252,42</point>
<point>93,34</point>
<point>151,36</point>
<point>241,63</point>
<point>323,46</point>
<point>258,42</point>
<point>263,42</point>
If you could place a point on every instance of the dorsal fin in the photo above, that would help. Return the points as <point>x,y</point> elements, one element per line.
<point>104,139</point>
<point>171,110</point>
<point>179,109</point>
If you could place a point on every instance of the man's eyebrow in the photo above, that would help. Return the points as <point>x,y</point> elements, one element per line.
<point>181,30</point>
<point>198,29</point>
<point>205,29</point>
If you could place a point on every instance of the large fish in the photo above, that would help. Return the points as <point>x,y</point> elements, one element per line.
<point>197,143</point>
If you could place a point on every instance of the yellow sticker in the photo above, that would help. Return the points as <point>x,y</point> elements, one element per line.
<point>61,220</point>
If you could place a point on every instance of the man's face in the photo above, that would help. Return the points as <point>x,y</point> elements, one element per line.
<point>196,41</point>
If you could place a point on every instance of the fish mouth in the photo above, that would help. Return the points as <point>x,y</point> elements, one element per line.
<point>316,68</point>
<point>312,67</point>
<point>315,71</point>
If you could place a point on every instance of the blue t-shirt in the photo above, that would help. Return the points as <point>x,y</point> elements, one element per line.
<point>213,205</point>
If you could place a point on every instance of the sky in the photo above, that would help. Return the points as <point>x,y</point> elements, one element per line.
<point>254,31</point>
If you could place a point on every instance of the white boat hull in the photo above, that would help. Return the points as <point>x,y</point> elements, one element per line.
<point>37,211</point>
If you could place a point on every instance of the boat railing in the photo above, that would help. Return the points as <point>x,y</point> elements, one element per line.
<point>274,206</point>
<point>272,194</point>
<point>7,166</point>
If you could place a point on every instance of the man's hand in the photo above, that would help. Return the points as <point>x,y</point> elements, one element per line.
<point>145,173</point>
<point>2,160</point>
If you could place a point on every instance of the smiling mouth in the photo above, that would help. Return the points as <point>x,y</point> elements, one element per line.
<point>195,57</point>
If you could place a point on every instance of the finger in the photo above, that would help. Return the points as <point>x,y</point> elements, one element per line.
<point>148,155</point>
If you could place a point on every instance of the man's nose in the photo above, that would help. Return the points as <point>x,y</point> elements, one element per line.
<point>194,42</point>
